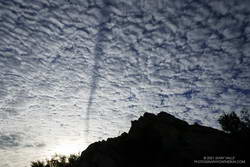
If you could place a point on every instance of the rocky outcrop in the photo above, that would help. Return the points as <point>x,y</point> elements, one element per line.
<point>163,140</point>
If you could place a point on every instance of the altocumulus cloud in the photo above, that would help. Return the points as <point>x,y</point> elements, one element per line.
<point>11,140</point>
<point>121,58</point>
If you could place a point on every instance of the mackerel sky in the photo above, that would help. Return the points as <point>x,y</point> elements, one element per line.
<point>76,71</point>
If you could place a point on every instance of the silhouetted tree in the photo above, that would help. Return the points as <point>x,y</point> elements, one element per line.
<point>230,122</point>
<point>37,164</point>
<point>58,161</point>
<point>233,124</point>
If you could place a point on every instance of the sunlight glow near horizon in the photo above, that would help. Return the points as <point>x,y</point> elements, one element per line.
<point>66,149</point>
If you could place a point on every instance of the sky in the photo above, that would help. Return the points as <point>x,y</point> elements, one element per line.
<point>73,72</point>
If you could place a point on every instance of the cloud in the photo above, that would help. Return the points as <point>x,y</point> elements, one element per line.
<point>9,141</point>
<point>120,58</point>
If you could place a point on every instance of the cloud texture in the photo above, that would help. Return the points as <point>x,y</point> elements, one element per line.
<point>68,62</point>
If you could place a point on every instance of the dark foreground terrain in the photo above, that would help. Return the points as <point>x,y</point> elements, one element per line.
<point>165,141</point>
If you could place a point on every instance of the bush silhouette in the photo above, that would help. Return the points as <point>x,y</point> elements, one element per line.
<point>58,161</point>
<point>37,164</point>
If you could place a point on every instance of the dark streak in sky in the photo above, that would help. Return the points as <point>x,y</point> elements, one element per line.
<point>98,53</point>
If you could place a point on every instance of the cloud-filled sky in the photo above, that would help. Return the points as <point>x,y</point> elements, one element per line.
<point>76,71</point>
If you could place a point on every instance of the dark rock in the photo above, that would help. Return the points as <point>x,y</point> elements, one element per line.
<point>163,140</point>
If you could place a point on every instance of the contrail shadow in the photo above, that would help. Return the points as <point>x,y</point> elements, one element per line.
<point>98,53</point>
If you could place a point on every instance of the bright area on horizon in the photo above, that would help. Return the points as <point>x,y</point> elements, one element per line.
<point>73,72</point>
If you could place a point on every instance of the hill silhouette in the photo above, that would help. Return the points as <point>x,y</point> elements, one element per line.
<point>164,141</point>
